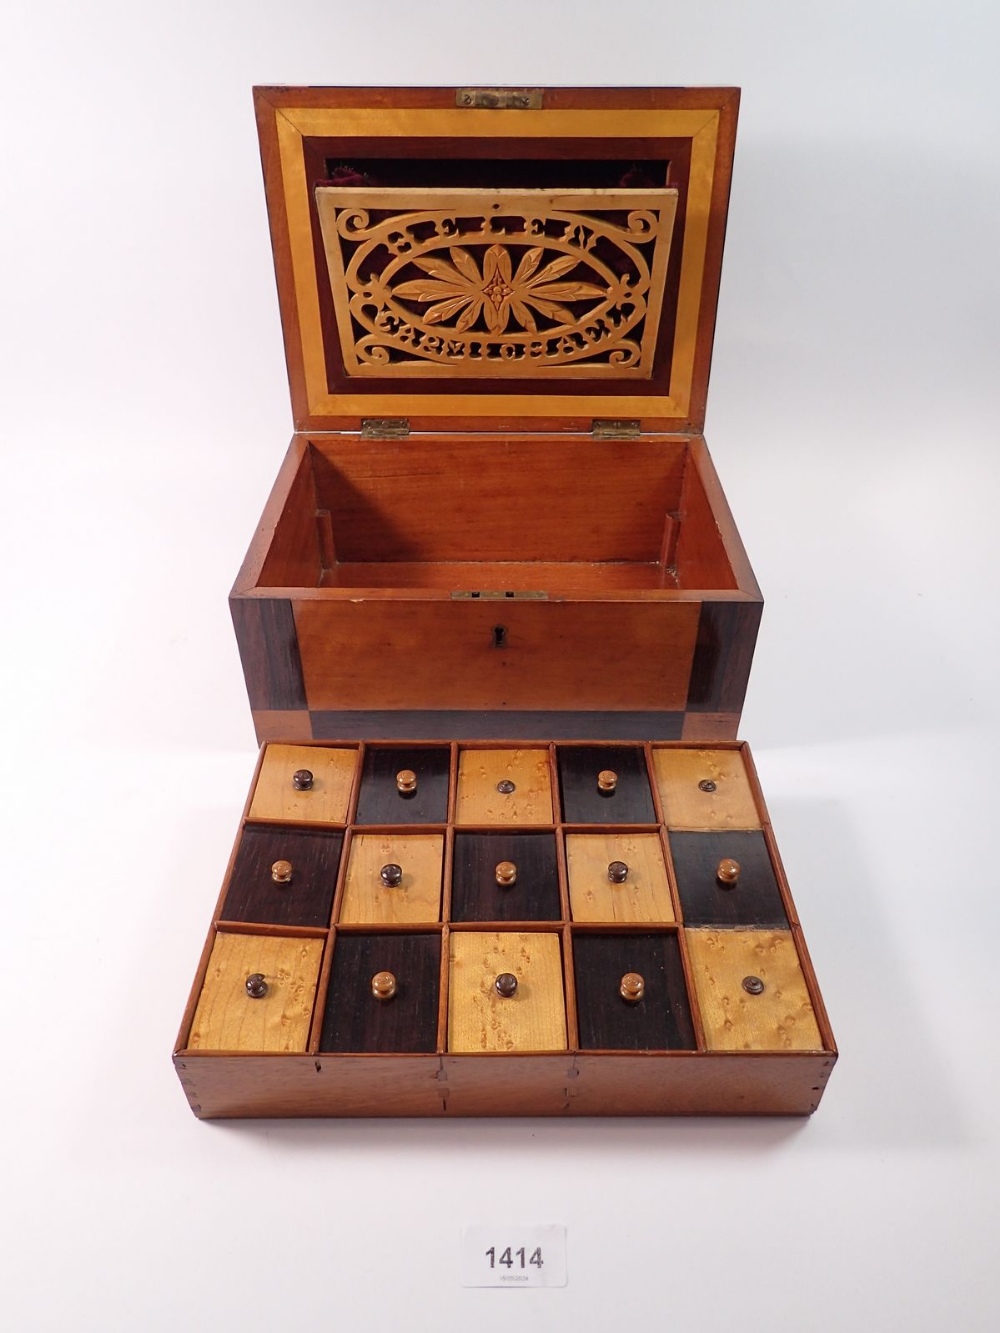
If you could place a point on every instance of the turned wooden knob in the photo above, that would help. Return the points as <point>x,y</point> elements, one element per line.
<point>256,986</point>
<point>618,872</point>
<point>753,985</point>
<point>302,779</point>
<point>406,782</point>
<point>506,874</point>
<point>391,875</point>
<point>727,872</point>
<point>281,872</point>
<point>383,985</point>
<point>506,787</point>
<point>506,984</point>
<point>632,988</point>
<point>607,781</point>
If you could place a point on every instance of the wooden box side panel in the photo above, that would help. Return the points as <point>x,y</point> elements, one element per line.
<point>247,1086</point>
<point>555,654</point>
<point>469,497</point>
<point>698,1084</point>
<point>677,1083</point>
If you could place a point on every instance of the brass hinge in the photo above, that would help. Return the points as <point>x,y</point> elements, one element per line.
<point>500,99</point>
<point>615,430</point>
<point>384,428</point>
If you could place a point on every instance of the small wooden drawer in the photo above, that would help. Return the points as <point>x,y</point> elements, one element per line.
<point>704,789</point>
<point>479,1018</point>
<point>321,797</point>
<point>405,1017</point>
<point>751,991</point>
<point>504,787</point>
<point>595,863</point>
<point>283,877</point>
<point>389,774</point>
<point>228,1018</point>
<point>659,1020</point>
<point>605,784</point>
<point>505,877</point>
<point>751,899</point>
<point>368,897</point>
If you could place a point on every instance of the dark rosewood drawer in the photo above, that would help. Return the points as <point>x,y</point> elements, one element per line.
<point>481,869</point>
<point>305,899</point>
<point>752,900</point>
<point>356,1020</point>
<point>382,802</point>
<point>660,1020</point>
<point>583,801</point>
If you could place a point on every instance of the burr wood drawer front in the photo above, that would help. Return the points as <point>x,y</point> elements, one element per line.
<point>464,653</point>
<point>504,787</point>
<point>617,877</point>
<point>704,789</point>
<point>393,878</point>
<point>751,991</point>
<point>257,994</point>
<point>304,784</point>
<point>505,992</point>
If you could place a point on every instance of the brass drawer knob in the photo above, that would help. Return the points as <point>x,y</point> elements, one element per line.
<point>753,985</point>
<point>633,988</point>
<point>406,782</point>
<point>302,779</point>
<point>391,875</point>
<point>383,985</point>
<point>506,874</point>
<point>281,872</point>
<point>506,985</point>
<point>607,781</point>
<point>618,872</point>
<point>727,872</point>
<point>256,986</point>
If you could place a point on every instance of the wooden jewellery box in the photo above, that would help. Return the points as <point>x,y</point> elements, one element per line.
<point>502,854</point>
<point>498,311</point>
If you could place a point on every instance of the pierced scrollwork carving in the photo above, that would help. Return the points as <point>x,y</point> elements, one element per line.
<point>483,284</point>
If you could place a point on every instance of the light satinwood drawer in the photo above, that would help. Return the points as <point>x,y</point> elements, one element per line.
<point>644,894</point>
<point>229,1019</point>
<point>326,801</point>
<point>727,967</point>
<point>480,1019</point>
<point>416,898</point>
<point>704,789</point>
<point>501,787</point>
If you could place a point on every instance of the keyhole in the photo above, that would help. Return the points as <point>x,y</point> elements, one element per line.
<point>499,636</point>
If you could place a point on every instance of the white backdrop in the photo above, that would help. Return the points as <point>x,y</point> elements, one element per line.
<point>852,417</point>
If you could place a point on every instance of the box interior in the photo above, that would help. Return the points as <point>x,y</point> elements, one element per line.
<point>503,515</point>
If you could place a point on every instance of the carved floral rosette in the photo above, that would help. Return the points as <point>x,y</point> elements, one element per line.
<point>484,284</point>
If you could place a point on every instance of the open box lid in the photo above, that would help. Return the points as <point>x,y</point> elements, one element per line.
<point>512,259</point>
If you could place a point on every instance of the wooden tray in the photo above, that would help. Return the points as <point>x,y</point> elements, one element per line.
<point>521,863</point>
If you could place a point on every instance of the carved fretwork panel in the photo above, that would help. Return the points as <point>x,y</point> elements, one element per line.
<point>483,284</point>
